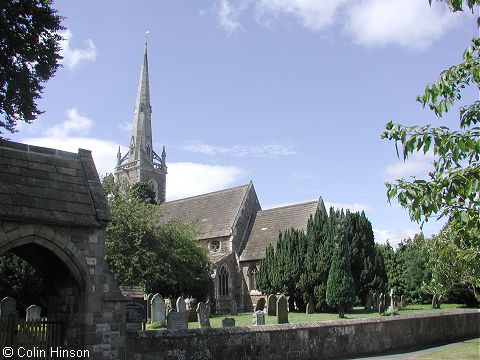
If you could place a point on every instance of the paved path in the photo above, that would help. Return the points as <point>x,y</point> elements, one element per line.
<point>414,354</point>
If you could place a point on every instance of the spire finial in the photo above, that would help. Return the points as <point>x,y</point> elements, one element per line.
<point>146,37</point>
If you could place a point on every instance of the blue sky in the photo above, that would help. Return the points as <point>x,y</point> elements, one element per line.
<point>291,94</point>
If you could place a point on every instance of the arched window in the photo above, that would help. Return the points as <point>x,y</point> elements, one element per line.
<point>252,276</point>
<point>223,281</point>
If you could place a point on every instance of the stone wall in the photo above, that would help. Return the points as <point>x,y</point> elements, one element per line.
<point>322,340</point>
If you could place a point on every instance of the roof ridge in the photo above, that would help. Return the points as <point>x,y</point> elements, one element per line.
<point>205,194</point>
<point>291,205</point>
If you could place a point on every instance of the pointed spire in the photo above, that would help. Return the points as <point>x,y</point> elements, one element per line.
<point>119,157</point>
<point>141,143</point>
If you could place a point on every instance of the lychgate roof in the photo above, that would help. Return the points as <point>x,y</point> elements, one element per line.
<point>268,223</point>
<point>214,214</point>
<point>50,185</point>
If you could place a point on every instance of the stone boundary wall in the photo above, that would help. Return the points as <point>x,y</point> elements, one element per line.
<point>320,340</point>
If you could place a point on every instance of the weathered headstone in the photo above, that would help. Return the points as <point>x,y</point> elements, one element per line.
<point>8,307</point>
<point>258,318</point>
<point>181,307</point>
<point>208,307</point>
<point>233,307</point>
<point>435,302</point>
<point>260,306</point>
<point>391,308</point>
<point>228,322</point>
<point>149,306</point>
<point>403,301</point>
<point>282,310</point>
<point>272,305</point>
<point>202,316</point>
<point>177,320</point>
<point>381,304</point>
<point>158,309</point>
<point>135,311</point>
<point>375,300</point>
<point>310,307</point>
<point>33,313</point>
<point>368,301</point>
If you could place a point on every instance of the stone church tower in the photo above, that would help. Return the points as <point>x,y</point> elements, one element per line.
<point>141,163</point>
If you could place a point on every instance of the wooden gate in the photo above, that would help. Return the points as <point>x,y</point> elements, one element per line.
<point>37,336</point>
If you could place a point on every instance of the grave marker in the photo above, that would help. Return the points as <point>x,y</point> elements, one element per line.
<point>8,307</point>
<point>258,318</point>
<point>177,320</point>
<point>282,310</point>
<point>33,313</point>
<point>272,305</point>
<point>260,306</point>
<point>158,309</point>
<point>228,322</point>
<point>202,316</point>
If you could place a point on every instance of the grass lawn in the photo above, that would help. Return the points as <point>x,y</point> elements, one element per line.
<point>469,350</point>
<point>245,319</point>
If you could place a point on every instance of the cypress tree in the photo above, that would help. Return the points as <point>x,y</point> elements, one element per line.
<point>340,287</point>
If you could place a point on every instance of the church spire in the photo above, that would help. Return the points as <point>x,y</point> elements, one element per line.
<point>141,140</point>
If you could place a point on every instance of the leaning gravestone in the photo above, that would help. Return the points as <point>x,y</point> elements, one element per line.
<point>228,322</point>
<point>258,318</point>
<point>177,320</point>
<point>209,308</point>
<point>272,305</point>
<point>368,302</point>
<point>233,307</point>
<point>381,304</point>
<point>158,309</point>
<point>202,316</point>
<point>403,301</point>
<point>8,307</point>
<point>260,306</point>
<point>310,307</point>
<point>282,310</point>
<point>33,313</point>
<point>181,307</point>
<point>149,298</point>
<point>375,300</point>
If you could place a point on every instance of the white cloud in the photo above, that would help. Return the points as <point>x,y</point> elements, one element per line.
<point>353,207</point>
<point>126,126</point>
<point>417,165</point>
<point>409,23</point>
<point>75,124</point>
<point>72,57</point>
<point>393,236</point>
<point>272,150</point>
<point>228,14</point>
<point>189,179</point>
<point>312,14</point>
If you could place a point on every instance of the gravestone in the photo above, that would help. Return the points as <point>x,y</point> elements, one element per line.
<point>381,304</point>
<point>33,313</point>
<point>386,300</point>
<point>282,310</point>
<point>136,311</point>
<point>233,307</point>
<point>391,308</point>
<point>177,320</point>
<point>228,322</point>
<point>310,307</point>
<point>403,301</point>
<point>149,306</point>
<point>260,306</point>
<point>208,307</point>
<point>158,309</point>
<point>168,304</point>
<point>8,307</point>
<point>368,301</point>
<point>202,316</point>
<point>375,300</point>
<point>181,307</point>
<point>434,302</point>
<point>272,305</point>
<point>396,301</point>
<point>258,318</point>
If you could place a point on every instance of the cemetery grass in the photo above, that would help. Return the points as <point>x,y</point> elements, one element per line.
<point>466,351</point>
<point>245,319</point>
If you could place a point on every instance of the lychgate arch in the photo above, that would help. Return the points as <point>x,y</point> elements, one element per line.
<point>53,214</point>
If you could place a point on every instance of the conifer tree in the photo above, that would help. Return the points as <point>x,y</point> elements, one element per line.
<point>340,287</point>
<point>264,279</point>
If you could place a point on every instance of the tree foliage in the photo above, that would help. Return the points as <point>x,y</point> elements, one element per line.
<point>30,45</point>
<point>162,257</point>
<point>340,285</point>
<point>452,189</point>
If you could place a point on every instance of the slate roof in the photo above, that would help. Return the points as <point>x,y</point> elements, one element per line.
<point>214,214</point>
<point>48,185</point>
<point>268,223</point>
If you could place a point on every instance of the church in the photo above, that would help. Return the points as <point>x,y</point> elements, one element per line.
<point>231,223</point>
